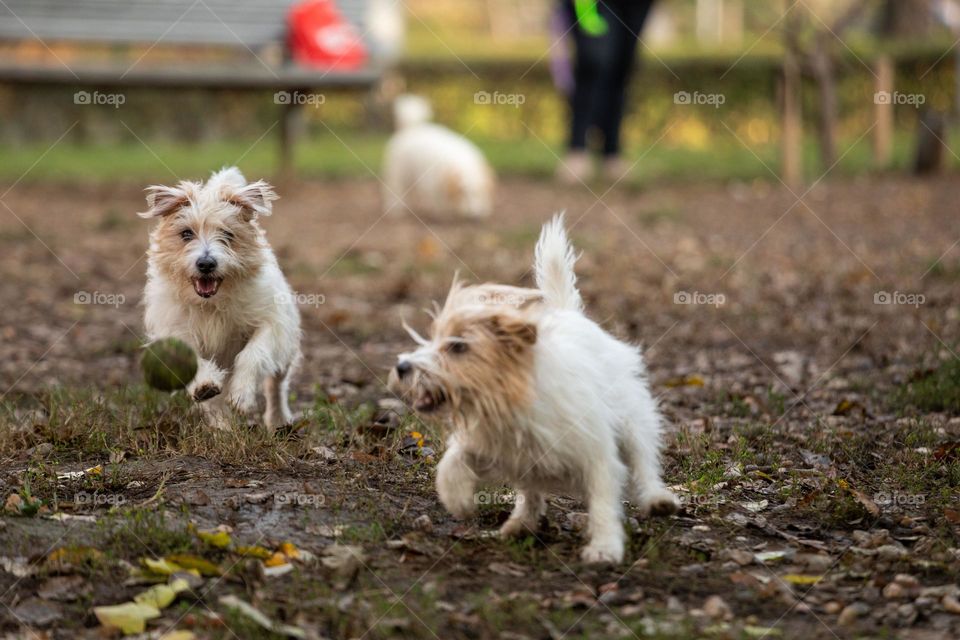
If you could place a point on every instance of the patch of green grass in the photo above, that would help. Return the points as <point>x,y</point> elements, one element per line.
<point>358,154</point>
<point>937,391</point>
<point>86,425</point>
<point>132,533</point>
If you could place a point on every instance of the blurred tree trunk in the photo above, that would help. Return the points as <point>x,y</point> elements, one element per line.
<point>791,149</point>
<point>905,18</point>
<point>883,106</point>
<point>821,67</point>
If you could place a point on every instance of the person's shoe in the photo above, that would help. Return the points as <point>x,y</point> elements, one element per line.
<point>615,169</point>
<point>576,168</point>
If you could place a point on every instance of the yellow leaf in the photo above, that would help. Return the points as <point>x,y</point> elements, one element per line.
<point>159,596</point>
<point>187,561</point>
<point>276,560</point>
<point>179,635</point>
<point>253,552</point>
<point>73,555</point>
<point>799,578</point>
<point>685,381</point>
<point>218,539</point>
<point>162,567</point>
<point>95,471</point>
<point>129,617</point>
<point>288,549</point>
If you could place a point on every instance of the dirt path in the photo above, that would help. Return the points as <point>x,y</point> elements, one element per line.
<point>810,484</point>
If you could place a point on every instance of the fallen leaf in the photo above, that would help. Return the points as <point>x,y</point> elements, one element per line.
<point>756,507</point>
<point>771,556</point>
<point>947,451</point>
<point>129,617</point>
<point>62,588</point>
<point>217,538</point>
<point>187,561</point>
<point>685,381</point>
<point>257,616</point>
<point>253,552</point>
<point>68,558</point>
<point>510,569</point>
<point>862,498</point>
<point>344,560</point>
<point>159,596</point>
<point>800,578</point>
<point>761,632</point>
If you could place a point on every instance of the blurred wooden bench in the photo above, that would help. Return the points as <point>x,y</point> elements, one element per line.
<point>254,29</point>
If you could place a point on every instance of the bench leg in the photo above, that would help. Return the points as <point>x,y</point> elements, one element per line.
<point>290,127</point>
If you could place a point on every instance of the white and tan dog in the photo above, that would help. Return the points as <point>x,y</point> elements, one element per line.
<point>214,282</point>
<point>540,398</point>
<point>430,168</point>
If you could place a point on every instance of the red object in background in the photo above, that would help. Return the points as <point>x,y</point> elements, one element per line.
<point>321,37</point>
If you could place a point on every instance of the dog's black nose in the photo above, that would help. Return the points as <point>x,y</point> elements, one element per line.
<point>403,368</point>
<point>206,264</point>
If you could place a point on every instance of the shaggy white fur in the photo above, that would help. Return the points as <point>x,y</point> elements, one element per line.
<point>214,282</point>
<point>430,168</point>
<point>541,398</point>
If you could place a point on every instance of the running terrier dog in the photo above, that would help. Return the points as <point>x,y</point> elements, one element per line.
<point>539,397</point>
<point>214,282</point>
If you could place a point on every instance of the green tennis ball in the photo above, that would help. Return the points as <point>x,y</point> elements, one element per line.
<point>168,364</point>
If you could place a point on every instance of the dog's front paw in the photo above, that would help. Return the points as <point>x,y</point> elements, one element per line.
<point>205,391</point>
<point>242,399</point>
<point>516,527</point>
<point>458,503</point>
<point>659,502</point>
<point>603,552</point>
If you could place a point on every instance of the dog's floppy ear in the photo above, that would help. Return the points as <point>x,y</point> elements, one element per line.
<point>512,331</point>
<point>162,201</point>
<point>253,199</point>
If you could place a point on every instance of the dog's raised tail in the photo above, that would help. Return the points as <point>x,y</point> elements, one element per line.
<point>553,264</point>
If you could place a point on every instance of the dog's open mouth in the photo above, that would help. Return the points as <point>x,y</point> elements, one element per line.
<point>206,286</point>
<point>429,401</point>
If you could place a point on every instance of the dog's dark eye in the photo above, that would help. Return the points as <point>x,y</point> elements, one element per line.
<point>186,235</point>
<point>458,346</point>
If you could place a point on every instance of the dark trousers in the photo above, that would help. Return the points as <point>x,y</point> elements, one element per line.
<point>602,70</point>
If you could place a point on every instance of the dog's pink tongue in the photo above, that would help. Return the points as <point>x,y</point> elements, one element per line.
<point>206,287</point>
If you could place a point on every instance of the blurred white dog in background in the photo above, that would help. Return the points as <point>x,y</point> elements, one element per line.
<point>430,168</point>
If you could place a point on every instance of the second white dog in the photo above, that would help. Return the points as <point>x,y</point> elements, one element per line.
<point>539,397</point>
<point>429,167</point>
<point>214,282</point>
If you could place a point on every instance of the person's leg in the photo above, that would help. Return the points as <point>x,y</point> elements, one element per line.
<point>592,57</point>
<point>626,19</point>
